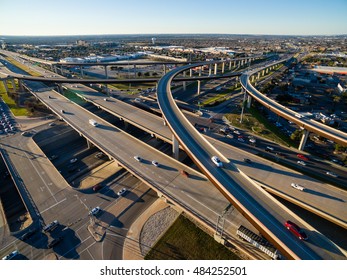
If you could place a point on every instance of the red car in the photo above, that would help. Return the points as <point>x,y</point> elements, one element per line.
<point>97,187</point>
<point>294,228</point>
<point>302,157</point>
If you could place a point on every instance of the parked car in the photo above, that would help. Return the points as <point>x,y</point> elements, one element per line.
<point>297,186</point>
<point>121,192</point>
<point>11,255</point>
<point>55,242</point>
<point>217,161</point>
<point>51,226</point>
<point>296,230</point>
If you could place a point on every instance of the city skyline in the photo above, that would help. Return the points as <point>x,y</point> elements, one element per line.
<point>269,17</point>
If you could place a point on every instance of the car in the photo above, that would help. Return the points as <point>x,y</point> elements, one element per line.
<point>95,211</point>
<point>55,242</point>
<point>301,156</point>
<point>155,163</point>
<point>105,99</point>
<point>237,132</point>
<point>241,139</point>
<point>301,162</point>
<point>217,161</point>
<point>25,133</point>
<point>51,226</point>
<point>99,155</point>
<point>73,160</point>
<point>71,168</point>
<point>27,235</point>
<point>184,173</point>
<point>296,230</point>
<point>297,186</point>
<point>11,255</point>
<point>280,154</point>
<point>252,140</point>
<point>247,160</point>
<point>97,187</point>
<point>332,174</point>
<point>53,157</point>
<point>52,124</point>
<point>229,135</point>
<point>269,149</point>
<point>62,111</point>
<point>121,192</point>
<point>137,158</point>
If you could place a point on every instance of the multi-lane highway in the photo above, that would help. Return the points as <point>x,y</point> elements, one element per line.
<point>265,213</point>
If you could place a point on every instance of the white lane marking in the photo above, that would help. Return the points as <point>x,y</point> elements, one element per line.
<point>55,204</point>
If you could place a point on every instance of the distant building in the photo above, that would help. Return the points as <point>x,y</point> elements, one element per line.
<point>153,40</point>
<point>82,43</point>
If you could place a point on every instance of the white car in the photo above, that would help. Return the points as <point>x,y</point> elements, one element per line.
<point>252,140</point>
<point>73,160</point>
<point>237,132</point>
<point>229,135</point>
<point>301,162</point>
<point>95,211</point>
<point>217,161</point>
<point>137,158</point>
<point>332,174</point>
<point>297,186</point>
<point>155,163</point>
<point>11,255</point>
<point>121,192</point>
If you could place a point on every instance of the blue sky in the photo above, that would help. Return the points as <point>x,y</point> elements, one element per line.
<point>69,17</point>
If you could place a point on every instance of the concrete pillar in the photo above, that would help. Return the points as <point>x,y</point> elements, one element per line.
<point>239,64</point>
<point>164,69</point>
<point>106,73</point>
<point>184,83</point>
<point>249,101</point>
<point>60,89</point>
<point>209,69</point>
<point>303,140</point>
<point>81,68</point>
<point>199,86</point>
<point>223,65</point>
<point>175,147</point>
<point>236,80</point>
<point>242,62</point>
<point>252,79</point>
<point>89,144</point>
<point>20,83</point>
<point>234,63</point>
<point>263,73</point>
<point>190,72</point>
<point>258,76</point>
<point>5,85</point>
<point>229,65</point>
<point>215,69</point>
<point>200,70</point>
<point>13,84</point>
<point>267,70</point>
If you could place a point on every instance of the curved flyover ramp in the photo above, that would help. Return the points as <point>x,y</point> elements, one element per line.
<point>264,212</point>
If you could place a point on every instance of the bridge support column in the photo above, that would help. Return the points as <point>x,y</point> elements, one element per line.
<point>223,66</point>
<point>234,63</point>
<point>5,85</point>
<point>184,83</point>
<point>215,69</point>
<point>81,69</point>
<point>249,101</point>
<point>252,79</point>
<point>164,69</point>
<point>258,76</point>
<point>210,70</point>
<point>13,84</point>
<point>190,72</point>
<point>200,70</point>
<point>175,147</point>
<point>20,83</point>
<point>60,89</point>
<point>106,72</point>
<point>267,70</point>
<point>89,144</point>
<point>236,81</point>
<point>242,62</point>
<point>263,73</point>
<point>230,65</point>
<point>199,86</point>
<point>303,140</point>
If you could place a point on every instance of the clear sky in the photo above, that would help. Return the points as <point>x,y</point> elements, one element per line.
<point>77,17</point>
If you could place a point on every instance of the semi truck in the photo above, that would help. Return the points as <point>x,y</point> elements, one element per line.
<point>259,242</point>
<point>93,122</point>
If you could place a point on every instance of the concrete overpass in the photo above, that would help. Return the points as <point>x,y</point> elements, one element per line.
<point>308,125</point>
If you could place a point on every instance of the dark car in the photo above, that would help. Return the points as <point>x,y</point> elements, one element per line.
<point>184,173</point>
<point>247,160</point>
<point>55,242</point>
<point>97,187</point>
<point>296,230</point>
<point>27,235</point>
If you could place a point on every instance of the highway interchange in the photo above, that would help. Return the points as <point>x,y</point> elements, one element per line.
<point>78,119</point>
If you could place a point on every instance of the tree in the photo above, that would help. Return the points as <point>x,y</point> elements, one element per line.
<point>296,135</point>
